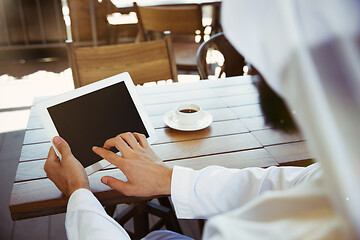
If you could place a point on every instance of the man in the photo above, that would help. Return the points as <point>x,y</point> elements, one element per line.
<point>309,54</point>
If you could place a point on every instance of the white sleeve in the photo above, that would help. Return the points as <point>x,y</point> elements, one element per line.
<point>213,190</point>
<point>87,219</point>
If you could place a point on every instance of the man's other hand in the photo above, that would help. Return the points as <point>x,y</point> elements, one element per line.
<point>68,174</point>
<point>146,174</point>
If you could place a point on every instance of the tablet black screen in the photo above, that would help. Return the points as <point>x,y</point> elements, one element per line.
<point>91,119</point>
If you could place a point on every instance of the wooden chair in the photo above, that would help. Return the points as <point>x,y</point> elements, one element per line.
<point>184,22</point>
<point>140,212</point>
<point>89,24</point>
<point>145,61</point>
<point>234,61</point>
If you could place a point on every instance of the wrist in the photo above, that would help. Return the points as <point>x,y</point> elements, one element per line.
<point>166,188</point>
<point>81,185</point>
<point>78,188</point>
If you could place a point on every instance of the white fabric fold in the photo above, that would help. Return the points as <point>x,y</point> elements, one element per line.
<point>215,190</point>
<point>87,219</point>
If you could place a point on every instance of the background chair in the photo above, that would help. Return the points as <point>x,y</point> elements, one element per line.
<point>184,22</point>
<point>145,61</point>
<point>88,21</point>
<point>233,60</point>
<point>91,25</point>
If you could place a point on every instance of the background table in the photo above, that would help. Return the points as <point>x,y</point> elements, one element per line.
<point>237,138</point>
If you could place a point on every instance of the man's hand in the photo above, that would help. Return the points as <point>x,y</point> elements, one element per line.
<point>146,174</point>
<point>68,174</point>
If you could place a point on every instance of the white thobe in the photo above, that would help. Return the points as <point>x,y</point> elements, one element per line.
<point>251,203</point>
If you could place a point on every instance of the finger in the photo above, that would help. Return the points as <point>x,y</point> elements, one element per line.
<point>117,142</point>
<point>115,184</point>
<point>62,146</point>
<point>52,157</point>
<point>130,139</point>
<point>109,156</point>
<point>52,161</point>
<point>141,138</point>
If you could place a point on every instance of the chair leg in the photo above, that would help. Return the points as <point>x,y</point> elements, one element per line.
<point>140,213</point>
<point>126,214</point>
<point>141,222</point>
<point>110,210</point>
<point>201,223</point>
<point>172,222</point>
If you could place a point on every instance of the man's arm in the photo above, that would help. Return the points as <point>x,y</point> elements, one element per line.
<point>85,216</point>
<point>87,219</point>
<point>214,190</point>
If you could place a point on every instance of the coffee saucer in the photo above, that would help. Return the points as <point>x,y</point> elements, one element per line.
<point>171,120</point>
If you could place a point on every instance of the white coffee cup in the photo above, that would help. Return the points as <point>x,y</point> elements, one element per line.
<point>188,113</point>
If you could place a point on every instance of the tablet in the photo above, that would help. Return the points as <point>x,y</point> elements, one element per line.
<point>88,116</point>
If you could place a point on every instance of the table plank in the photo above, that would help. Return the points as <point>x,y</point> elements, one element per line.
<point>198,94</point>
<point>30,170</point>
<point>242,159</point>
<point>221,114</point>
<point>269,137</point>
<point>35,136</point>
<point>34,123</point>
<point>162,108</point>
<point>216,129</point>
<point>34,151</point>
<point>231,81</point>
<point>235,90</point>
<point>201,84</point>
<point>247,111</point>
<point>242,99</point>
<point>289,152</point>
<point>195,95</point>
<point>38,135</point>
<point>169,135</point>
<point>255,123</point>
<point>41,197</point>
<point>207,146</point>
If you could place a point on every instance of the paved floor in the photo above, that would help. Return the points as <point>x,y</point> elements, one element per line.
<point>20,81</point>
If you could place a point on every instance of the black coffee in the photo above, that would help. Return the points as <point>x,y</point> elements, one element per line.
<point>188,110</point>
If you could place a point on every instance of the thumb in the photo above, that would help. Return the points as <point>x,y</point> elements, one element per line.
<point>62,146</point>
<point>114,183</point>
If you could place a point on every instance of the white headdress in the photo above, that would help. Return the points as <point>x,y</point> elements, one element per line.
<point>309,53</point>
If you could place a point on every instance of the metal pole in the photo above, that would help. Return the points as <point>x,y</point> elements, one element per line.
<point>74,22</point>
<point>58,20</point>
<point>6,30</point>
<point>23,24</point>
<point>41,22</point>
<point>93,22</point>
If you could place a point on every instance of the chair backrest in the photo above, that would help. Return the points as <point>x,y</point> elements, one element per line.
<point>180,19</point>
<point>234,61</point>
<point>89,21</point>
<point>145,61</point>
